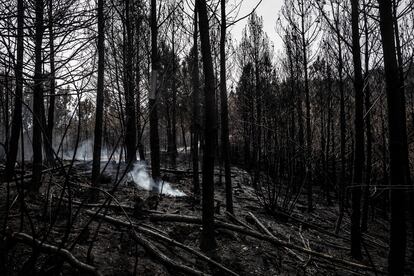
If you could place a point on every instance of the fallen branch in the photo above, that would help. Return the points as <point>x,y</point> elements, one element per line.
<point>196,220</point>
<point>238,221</point>
<point>47,248</point>
<point>153,250</point>
<point>164,238</point>
<point>260,225</point>
<point>266,231</point>
<point>315,227</point>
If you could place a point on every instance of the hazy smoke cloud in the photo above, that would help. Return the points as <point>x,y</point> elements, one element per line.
<point>140,177</point>
<point>85,152</point>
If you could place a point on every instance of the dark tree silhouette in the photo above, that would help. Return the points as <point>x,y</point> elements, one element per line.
<point>131,129</point>
<point>17,113</point>
<point>38,105</point>
<point>195,106</point>
<point>225,143</point>
<point>154,136</point>
<point>359,135</point>
<point>208,241</point>
<point>397,140</point>
<point>97,145</point>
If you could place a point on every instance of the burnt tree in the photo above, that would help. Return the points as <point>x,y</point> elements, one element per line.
<point>359,134</point>
<point>154,136</point>
<point>208,242</point>
<point>17,113</point>
<point>397,140</point>
<point>38,106</point>
<point>225,143</point>
<point>97,145</point>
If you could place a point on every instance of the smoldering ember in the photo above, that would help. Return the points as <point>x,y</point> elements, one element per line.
<point>220,137</point>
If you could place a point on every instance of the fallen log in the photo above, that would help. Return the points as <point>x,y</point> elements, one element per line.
<point>153,250</point>
<point>266,231</point>
<point>238,221</point>
<point>47,248</point>
<point>316,227</point>
<point>255,234</point>
<point>146,230</point>
<point>260,225</point>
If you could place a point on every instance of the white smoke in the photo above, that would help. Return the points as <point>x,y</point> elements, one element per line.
<point>84,152</point>
<point>140,177</point>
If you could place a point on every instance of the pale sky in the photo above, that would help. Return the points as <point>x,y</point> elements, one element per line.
<point>269,10</point>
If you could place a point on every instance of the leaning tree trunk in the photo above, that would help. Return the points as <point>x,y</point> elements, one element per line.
<point>208,242</point>
<point>97,145</point>
<point>397,141</point>
<point>18,98</point>
<point>38,106</point>
<point>359,135</point>
<point>225,143</point>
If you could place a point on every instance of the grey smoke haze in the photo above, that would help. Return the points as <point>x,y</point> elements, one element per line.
<point>141,178</point>
<point>85,152</point>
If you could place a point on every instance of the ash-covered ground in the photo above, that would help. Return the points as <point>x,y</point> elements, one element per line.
<point>65,218</point>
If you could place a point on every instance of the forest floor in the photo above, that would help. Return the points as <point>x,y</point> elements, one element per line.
<point>117,249</point>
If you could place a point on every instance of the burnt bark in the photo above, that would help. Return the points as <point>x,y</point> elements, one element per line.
<point>359,135</point>
<point>16,125</point>
<point>97,145</point>
<point>397,140</point>
<point>196,107</point>
<point>308,115</point>
<point>153,106</point>
<point>48,143</point>
<point>225,143</point>
<point>368,170</point>
<point>208,242</point>
<point>131,128</point>
<point>38,106</point>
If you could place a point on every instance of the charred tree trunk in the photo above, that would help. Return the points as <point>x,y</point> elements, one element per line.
<point>38,106</point>
<point>173,146</point>
<point>397,140</point>
<point>52,80</point>
<point>196,108</point>
<point>225,143</point>
<point>208,241</point>
<point>402,79</point>
<point>308,112</point>
<point>153,107</point>
<point>365,206</point>
<point>18,98</point>
<point>131,129</point>
<point>385,177</point>
<point>342,122</point>
<point>359,135</point>
<point>97,145</point>
<point>137,85</point>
